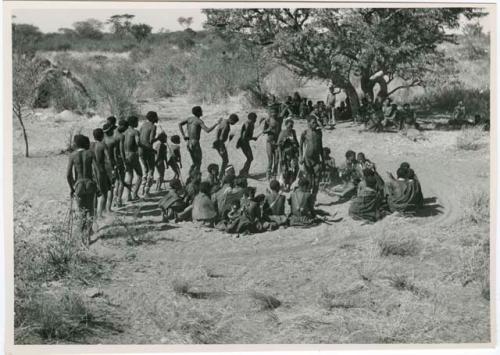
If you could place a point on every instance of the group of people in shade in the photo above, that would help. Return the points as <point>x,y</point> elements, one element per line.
<point>123,158</point>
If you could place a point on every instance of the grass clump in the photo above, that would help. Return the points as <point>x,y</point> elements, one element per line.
<point>399,244</point>
<point>476,206</point>
<point>470,138</point>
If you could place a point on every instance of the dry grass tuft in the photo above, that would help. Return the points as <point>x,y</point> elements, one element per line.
<point>476,206</point>
<point>470,138</point>
<point>399,244</point>
<point>267,302</point>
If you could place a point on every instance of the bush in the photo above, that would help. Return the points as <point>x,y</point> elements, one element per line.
<point>446,97</point>
<point>470,138</point>
<point>114,86</point>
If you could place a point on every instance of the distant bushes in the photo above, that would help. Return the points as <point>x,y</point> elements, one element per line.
<point>444,99</point>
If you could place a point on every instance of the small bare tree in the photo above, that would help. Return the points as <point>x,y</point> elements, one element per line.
<point>27,74</point>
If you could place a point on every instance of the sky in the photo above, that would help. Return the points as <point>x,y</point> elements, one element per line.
<point>50,20</point>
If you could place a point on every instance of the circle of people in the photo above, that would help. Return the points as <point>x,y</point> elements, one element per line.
<point>123,158</point>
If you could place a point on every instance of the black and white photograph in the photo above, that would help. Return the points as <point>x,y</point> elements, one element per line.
<point>238,173</point>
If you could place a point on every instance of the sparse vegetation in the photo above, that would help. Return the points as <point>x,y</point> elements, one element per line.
<point>470,138</point>
<point>399,244</point>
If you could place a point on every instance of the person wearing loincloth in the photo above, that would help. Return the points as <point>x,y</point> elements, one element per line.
<point>80,177</point>
<point>311,153</point>
<point>222,135</point>
<point>194,126</point>
<point>147,136</point>
<point>130,147</point>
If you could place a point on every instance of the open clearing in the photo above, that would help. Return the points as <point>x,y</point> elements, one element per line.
<point>185,284</point>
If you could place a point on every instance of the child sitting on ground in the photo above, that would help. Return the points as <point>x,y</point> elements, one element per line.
<point>330,174</point>
<point>274,204</point>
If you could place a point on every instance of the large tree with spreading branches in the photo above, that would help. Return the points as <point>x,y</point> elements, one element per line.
<point>372,45</point>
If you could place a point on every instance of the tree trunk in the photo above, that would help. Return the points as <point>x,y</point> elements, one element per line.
<point>367,85</point>
<point>19,116</point>
<point>383,91</point>
<point>353,98</point>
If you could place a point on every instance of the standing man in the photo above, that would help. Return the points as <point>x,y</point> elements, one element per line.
<point>221,139</point>
<point>82,184</point>
<point>111,143</point>
<point>194,126</point>
<point>311,153</point>
<point>119,161</point>
<point>246,135</point>
<point>147,136</point>
<point>103,180</point>
<point>272,128</point>
<point>129,148</point>
<point>331,99</point>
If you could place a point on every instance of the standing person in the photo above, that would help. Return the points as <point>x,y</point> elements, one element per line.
<point>103,183</point>
<point>289,154</point>
<point>147,136</point>
<point>161,158</point>
<point>111,143</point>
<point>246,135</point>
<point>174,160</point>
<point>311,153</point>
<point>272,128</point>
<point>80,177</point>
<point>331,100</point>
<point>222,136</point>
<point>194,126</point>
<point>129,148</point>
<point>296,104</point>
<point>119,161</point>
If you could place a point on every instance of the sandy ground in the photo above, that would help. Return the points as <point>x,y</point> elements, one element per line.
<point>300,267</point>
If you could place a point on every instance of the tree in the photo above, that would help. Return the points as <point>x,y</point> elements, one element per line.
<point>185,22</point>
<point>140,31</point>
<point>120,24</point>
<point>90,28</point>
<point>27,74</point>
<point>341,44</point>
<point>24,37</point>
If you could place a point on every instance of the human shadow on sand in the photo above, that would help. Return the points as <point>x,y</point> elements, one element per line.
<point>135,229</point>
<point>140,210</point>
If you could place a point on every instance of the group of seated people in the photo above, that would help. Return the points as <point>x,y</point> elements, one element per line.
<point>371,197</point>
<point>232,206</point>
<point>300,107</point>
<point>378,117</point>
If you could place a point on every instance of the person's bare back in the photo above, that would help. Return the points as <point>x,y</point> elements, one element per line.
<point>131,137</point>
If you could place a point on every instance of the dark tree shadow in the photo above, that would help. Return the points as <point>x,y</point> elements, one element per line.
<point>258,176</point>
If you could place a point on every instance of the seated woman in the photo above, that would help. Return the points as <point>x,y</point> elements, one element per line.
<point>403,194</point>
<point>366,205</point>
<point>172,204</point>
<point>302,205</point>
<point>274,204</point>
<point>203,209</point>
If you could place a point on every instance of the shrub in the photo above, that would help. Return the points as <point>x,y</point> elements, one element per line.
<point>399,244</point>
<point>53,317</point>
<point>444,99</point>
<point>470,138</point>
<point>114,86</point>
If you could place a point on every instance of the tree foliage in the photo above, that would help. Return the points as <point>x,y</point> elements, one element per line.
<point>120,24</point>
<point>90,28</point>
<point>341,44</point>
<point>24,37</point>
<point>185,22</point>
<point>140,31</point>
